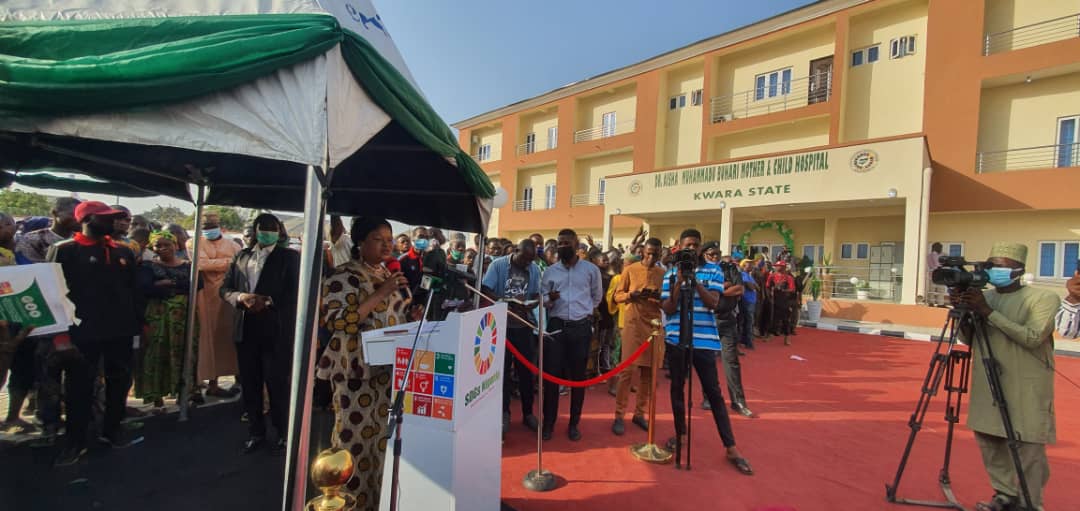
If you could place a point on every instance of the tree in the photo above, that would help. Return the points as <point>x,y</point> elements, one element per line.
<point>231,220</point>
<point>165,215</point>
<point>20,203</point>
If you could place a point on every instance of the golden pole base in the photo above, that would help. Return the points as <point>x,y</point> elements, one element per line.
<point>651,453</point>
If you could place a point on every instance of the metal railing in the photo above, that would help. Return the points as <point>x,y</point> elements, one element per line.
<point>598,132</point>
<point>782,96</point>
<point>836,283</point>
<point>523,205</point>
<point>586,199</point>
<point>490,157</point>
<point>526,148</point>
<point>1039,157</point>
<point>1034,34</point>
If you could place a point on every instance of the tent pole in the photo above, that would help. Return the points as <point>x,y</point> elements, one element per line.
<point>296,460</point>
<point>188,377</point>
<point>479,270</point>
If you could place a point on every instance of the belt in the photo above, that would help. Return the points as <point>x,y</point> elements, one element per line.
<point>574,322</point>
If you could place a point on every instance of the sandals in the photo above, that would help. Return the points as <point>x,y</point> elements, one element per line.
<point>741,465</point>
<point>1000,502</point>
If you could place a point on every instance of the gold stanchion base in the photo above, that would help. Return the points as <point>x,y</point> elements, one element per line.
<point>651,453</point>
<point>539,481</point>
<point>331,503</point>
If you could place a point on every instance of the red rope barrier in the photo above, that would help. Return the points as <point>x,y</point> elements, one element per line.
<point>592,381</point>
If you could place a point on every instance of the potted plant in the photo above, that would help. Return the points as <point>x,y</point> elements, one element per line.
<point>827,278</point>
<point>813,307</point>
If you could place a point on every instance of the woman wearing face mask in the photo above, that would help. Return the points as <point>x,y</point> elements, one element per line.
<point>261,285</point>
<point>165,284</point>
<point>361,295</point>
<point>217,352</point>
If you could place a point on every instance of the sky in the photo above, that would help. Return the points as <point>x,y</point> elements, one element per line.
<point>474,56</point>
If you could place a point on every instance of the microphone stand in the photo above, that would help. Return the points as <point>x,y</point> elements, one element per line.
<point>397,410</point>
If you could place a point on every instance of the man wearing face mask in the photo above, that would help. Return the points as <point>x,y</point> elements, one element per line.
<point>261,284</point>
<point>1020,323</point>
<point>412,262</point>
<point>217,352</point>
<point>574,289</point>
<point>101,278</point>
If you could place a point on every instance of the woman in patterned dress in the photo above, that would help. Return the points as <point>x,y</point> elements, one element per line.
<point>361,295</point>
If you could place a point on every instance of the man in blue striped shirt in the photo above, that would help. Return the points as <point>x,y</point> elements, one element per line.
<point>708,286</point>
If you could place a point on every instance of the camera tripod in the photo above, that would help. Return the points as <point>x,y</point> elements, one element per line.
<point>686,342</point>
<point>952,367</point>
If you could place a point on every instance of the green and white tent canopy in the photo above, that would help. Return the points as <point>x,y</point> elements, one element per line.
<point>241,95</point>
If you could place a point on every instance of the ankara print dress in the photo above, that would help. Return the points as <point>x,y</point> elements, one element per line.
<point>361,393</point>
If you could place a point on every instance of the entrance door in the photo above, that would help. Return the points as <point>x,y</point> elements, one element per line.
<point>820,79</point>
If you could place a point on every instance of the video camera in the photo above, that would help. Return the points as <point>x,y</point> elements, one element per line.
<point>731,271</point>
<point>953,273</point>
<point>686,260</point>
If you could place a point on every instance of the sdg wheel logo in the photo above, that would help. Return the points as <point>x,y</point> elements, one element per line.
<point>487,336</point>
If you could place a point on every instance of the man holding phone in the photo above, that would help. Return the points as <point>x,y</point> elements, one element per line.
<point>639,289</point>
<point>1067,319</point>
<point>574,290</point>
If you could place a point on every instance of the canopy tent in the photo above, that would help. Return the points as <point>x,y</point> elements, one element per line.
<point>268,103</point>
<point>54,179</point>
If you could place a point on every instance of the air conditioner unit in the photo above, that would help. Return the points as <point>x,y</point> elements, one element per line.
<point>722,118</point>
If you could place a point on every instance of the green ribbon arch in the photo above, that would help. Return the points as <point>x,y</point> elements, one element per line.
<point>785,232</point>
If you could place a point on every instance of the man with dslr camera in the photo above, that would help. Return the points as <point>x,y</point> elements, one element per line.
<point>708,285</point>
<point>1019,323</point>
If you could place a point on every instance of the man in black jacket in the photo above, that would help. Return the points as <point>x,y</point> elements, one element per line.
<point>261,284</point>
<point>101,278</point>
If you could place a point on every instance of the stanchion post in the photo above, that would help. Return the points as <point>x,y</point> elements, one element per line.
<point>188,378</point>
<point>649,451</point>
<point>540,479</point>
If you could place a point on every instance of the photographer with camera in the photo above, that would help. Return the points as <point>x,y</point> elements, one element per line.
<point>1019,323</point>
<point>707,285</point>
<point>1068,317</point>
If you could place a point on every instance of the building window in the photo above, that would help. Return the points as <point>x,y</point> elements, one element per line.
<point>601,190</point>
<point>902,47</point>
<point>553,137</point>
<point>772,84</point>
<point>607,127</point>
<point>859,250</point>
<point>484,153</point>
<point>872,54</point>
<point>677,102</point>
<point>696,97</point>
<point>867,55</point>
<point>1068,149</point>
<point>1058,259</point>
<point>527,198</point>
<point>952,249</point>
<point>530,143</point>
<point>549,196</point>
<point>758,249</point>
<point>816,253</point>
<point>856,58</point>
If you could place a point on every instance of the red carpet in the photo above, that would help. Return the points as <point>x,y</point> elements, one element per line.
<point>829,436</point>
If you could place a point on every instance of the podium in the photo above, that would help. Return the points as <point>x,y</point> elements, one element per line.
<point>452,431</point>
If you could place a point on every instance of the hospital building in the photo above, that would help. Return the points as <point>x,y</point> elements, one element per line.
<point>857,132</point>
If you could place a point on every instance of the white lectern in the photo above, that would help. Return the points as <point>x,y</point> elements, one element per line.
<point>452,433</point>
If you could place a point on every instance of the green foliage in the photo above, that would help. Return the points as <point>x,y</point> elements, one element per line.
<point>166,215</point>
<point>785,232</point>
<point>815,285</point>
<point>230,218</point>
<point>21,203</point>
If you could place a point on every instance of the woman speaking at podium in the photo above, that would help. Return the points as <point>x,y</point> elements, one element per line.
<point>362,294</point>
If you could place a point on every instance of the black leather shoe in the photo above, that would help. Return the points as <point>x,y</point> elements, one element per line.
<point>252,444</point>
<point>573,433</point>
<point>279,447</point>
<point>530,422</point>
<point>618,427</point>
<point>640,422</point>
<point>743,410</point>
<point>547,433</point>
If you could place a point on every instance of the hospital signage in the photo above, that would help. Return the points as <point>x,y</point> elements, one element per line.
<point>789,165</point>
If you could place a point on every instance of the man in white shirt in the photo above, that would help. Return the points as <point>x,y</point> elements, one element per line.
<point>935,294</point>
<point>1067,320</point>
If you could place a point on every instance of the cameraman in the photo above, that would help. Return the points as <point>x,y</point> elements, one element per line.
<point>1019,322</point>
<point>1068,318</point>
<point>708,286</point>
<point>727,327</point>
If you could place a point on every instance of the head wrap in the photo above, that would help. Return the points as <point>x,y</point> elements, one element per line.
<point>161,235</point>
<point>780,264</point>
<point>1015,251</point>
<point>746,261</point>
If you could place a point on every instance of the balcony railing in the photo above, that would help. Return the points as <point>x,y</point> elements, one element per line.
<point>586,199</point>
<point>837,284</point>
<point>1034,34</point>
<point>523,205</point>
<point>598,132</point>
<point>782,96</point>
<point>531,147</point>
<point>1040,157</point>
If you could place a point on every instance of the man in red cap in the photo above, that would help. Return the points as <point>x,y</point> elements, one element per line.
<point>100,275</point>
<point>781,289</point>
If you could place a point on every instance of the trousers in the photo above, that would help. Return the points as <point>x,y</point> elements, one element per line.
<point>622,392</point>
<point>115,356</point>
<point>730,356</point>
<point>999,466</point>
<point>262,364</point>
<point>704,363</point>
<point>566,355</point>
<point>746,323</point>
<point>525,342</point>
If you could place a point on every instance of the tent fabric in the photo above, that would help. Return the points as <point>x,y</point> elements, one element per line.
<point>51,181</point>
<point>160,52</point>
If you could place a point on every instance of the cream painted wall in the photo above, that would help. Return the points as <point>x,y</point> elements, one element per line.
<point>491,136</point>
<point>538,123</point>
<point>682,126</point>
<point>1025,114</point>
<point>623,102</point>
<point>979,231</point>
<point>588,171</point>
<point>493,223</point>
<point>538,178</point>
<point>735,73</point>
<point>777,138</point>
<point>885,98</point>
<point>1004,15</point>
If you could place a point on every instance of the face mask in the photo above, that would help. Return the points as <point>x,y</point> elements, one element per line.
<point>212,234</point>
<point>267,238</point>
<point>456,254</point>
<point>420,245</point>
<point>1001,277</point>
<point>566,253</point>
<point>100,230</point>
